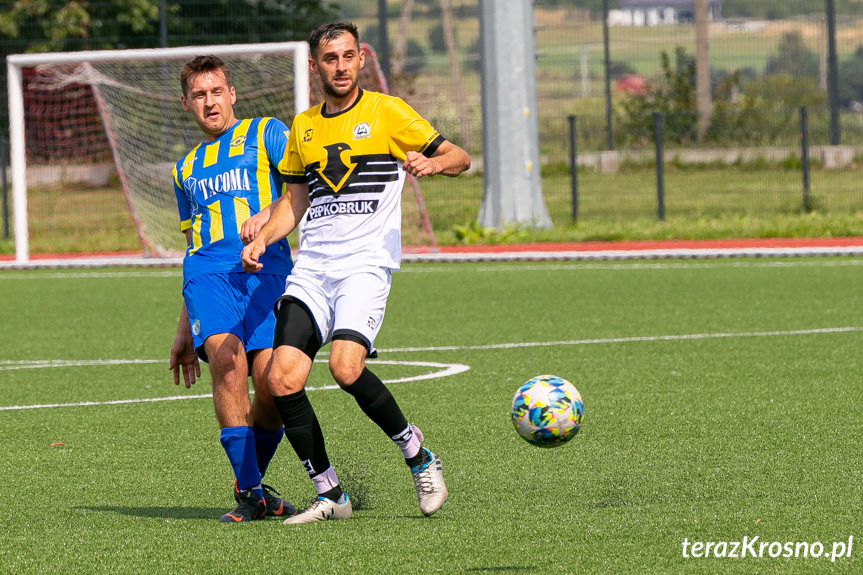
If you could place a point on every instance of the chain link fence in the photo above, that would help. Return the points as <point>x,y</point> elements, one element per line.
<point>766,61</point>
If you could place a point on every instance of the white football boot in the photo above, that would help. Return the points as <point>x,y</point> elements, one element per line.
<point>323,509</point>
<point>428,480</point>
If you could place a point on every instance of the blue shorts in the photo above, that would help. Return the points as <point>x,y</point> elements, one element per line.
<point>239,303</point>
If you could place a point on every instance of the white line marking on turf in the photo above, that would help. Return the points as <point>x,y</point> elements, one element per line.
<point>647,265</point>
<point>40,364</point>
<point>682,337</point>
<point>483,267</point>
<point>28,275</point>
<point>444,370</point>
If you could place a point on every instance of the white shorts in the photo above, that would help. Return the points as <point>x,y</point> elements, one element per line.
<point>343,302</point>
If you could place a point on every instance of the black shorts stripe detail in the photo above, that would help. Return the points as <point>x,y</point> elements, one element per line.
<point>295,327</point>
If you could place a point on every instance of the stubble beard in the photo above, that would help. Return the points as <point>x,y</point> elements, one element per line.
<point>331,89</point>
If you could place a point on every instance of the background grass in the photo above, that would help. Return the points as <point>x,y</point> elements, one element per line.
<point>709,416</point>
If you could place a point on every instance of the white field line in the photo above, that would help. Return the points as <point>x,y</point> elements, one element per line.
<point>539,255</point>
<point>446,369</point>
<point>484,267</point>
<point>631,339</point>
<point>443,370</point>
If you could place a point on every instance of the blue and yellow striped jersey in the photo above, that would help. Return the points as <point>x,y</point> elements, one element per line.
<point>219,185</point>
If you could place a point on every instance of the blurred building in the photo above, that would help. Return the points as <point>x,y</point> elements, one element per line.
<point>660,12</point>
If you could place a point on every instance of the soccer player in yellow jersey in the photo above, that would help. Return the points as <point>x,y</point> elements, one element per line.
<point>345,168</point>
<point>227,317</point>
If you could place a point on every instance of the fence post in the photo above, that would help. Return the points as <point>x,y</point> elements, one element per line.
<point>660,180</point>
<point>609,139</point>
<point>804,157</point>
<point>4,159</point>
<point>573,167</point>
<point>832,73</point>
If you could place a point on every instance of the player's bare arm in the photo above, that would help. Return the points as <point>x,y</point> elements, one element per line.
<point>285,214</point>
<point>183,356</point>
<point>448,160</point>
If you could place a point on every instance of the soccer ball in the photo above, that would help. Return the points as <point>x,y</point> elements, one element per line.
<point>547,411</point>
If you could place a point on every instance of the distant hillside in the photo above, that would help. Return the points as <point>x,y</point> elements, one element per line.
<point>766,10</point>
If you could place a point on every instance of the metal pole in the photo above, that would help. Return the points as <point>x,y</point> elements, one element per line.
<point>163,24</point>
<point>383,39</point>
<point>573,167</point>
<point>804,157</point>
<point>3,159</point>
<point>832,73</point>
<point>660,184</point>
<point>609,141</point>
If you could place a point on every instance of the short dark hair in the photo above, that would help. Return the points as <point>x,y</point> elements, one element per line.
<point>202,65</point>
<point>329,32</point>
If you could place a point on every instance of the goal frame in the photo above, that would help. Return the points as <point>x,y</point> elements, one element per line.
<point>17,62</point>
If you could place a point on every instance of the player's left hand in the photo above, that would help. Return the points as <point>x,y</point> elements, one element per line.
<point>252,226</point>
<point>418,165</point>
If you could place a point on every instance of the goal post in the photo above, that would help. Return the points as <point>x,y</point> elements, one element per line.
<point>137,95</point>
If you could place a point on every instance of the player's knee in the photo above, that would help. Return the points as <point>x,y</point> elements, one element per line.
<point>345,373</point>
<point>284,381</point>
<point>224,361</point>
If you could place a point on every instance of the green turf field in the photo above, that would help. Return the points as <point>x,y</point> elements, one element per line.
<point>723,402</point>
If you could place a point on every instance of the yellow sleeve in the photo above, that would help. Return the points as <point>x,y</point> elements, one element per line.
<point>410,131</point>
<point>291,166</point>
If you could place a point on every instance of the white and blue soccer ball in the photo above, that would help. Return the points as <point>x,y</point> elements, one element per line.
<point>547,411</point>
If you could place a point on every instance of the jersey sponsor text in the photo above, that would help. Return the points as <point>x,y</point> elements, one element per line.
<point>353,207</point>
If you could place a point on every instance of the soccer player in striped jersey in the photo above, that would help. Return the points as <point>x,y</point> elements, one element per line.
<point>227,317</point>
<point>345,168</point>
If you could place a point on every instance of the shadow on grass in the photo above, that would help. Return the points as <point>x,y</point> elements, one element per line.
<point>160,512</point>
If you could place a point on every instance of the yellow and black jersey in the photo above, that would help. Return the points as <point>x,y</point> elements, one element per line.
<point>352,161</point>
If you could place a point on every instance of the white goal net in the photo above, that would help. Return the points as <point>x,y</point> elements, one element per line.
<point>114,119</point>
<point>94,135</point>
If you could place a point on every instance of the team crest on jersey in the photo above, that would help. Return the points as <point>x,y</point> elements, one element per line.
<point>238,141</point>
<point>307,135</point>
<point>336,171</point>
<point>362,130</point>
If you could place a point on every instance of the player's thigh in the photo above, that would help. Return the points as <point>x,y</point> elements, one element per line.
<point>359,304</point>
<point>311,290</point>
<point>227,360</point>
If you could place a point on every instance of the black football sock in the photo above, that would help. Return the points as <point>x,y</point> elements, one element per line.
<point>333,493</point>
<point>303,431</point>
<point>378,403</point>
<point>418,459</point>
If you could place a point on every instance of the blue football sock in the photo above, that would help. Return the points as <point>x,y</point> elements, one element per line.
<point>239,444</point>
<point>266,442</point>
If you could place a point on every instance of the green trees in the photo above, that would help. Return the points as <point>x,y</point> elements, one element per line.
<point>793,57</point>
<point>40,26</point>
<point>747,109</point>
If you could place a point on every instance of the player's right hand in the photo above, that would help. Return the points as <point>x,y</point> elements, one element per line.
<point>184,358</point>
<point>250,256</point>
